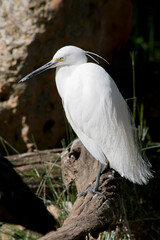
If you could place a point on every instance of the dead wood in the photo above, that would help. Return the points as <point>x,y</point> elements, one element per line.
<point>91,213</point>
<point>34,165</point>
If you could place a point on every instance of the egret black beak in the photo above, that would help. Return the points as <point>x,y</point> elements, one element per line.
<point>39,70</point>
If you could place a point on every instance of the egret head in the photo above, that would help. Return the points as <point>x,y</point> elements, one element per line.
<point>65,56</point>
<point>69,55</point>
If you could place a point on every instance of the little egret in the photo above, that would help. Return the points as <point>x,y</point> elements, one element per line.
<point>97,113</point>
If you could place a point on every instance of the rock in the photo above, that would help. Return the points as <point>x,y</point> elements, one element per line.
<point>30,33</point>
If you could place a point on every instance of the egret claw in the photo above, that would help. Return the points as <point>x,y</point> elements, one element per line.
<point>91,190</point>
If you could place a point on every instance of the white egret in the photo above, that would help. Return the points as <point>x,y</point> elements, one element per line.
<point>97,113</point>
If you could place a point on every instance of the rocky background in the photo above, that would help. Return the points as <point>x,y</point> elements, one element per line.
<point>31,32</point>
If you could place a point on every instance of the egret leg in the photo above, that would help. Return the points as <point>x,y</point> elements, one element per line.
<point>95,189</point>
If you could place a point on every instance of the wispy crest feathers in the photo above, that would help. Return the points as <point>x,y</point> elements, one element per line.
<point>89,54</point>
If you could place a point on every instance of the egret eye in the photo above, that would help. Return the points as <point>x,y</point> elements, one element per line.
<point>60,59</point>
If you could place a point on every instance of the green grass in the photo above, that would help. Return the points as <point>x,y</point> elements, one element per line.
<point>13,232</point>
<point>6,145</point>
<point>133,55</point>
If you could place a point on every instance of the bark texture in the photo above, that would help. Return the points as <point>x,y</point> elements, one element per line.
<point>33,166</point>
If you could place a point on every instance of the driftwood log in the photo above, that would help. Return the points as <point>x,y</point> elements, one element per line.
<point>32,166</point>
<point>90,213</point>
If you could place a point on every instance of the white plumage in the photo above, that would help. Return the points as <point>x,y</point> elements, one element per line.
<point>97,112</point>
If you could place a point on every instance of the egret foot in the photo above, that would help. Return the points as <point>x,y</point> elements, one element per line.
<point>91,190</point>
<point>94,190</point>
